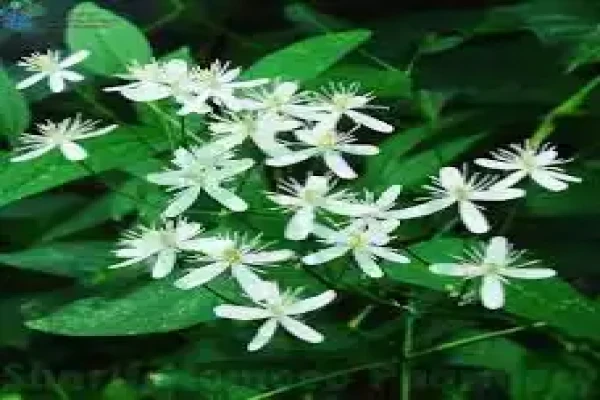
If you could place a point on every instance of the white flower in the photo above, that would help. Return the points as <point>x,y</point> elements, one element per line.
<point>541,164</point>
<point>453,188</point>
<point>230,253</point>
<point>326,142</point>
<point>201,169</point>
<point>366,241</point>
<point>381,209</point>
<point>306,200</point>
<point>219,84</point>
<point>282,98</point>
<point>262,128</point>
<point>50,66</point>
<point>493,265</point>
<point>339,100</point>
<point>159,245</point>
<point>277,309</point>
<point>61,135</point>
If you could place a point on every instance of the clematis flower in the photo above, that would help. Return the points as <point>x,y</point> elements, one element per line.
<point>49,65</point>
<point>277,309</point>
<point>201,169</point>
<point>452,187</point>
<point>339,100</point>
<point>231,253</point>
<point>541,164</point>
<point>381,209</point>
<point>366,242</point>
<point>262,128</point>
<point>61,135</point>
<point>329,144</point>
<point>305,201</point>
<point>159,245</point>
<point>493,264</point>
<point>282,98</point>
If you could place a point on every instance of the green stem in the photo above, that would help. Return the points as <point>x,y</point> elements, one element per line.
<point>407,345</point>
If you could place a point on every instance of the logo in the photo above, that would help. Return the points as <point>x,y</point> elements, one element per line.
<point>20,15</point>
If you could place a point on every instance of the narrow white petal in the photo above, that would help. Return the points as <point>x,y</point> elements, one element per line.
<point>311,303</point>
<point>423,209</point>
<point>472,217</point>
<point>452,269</point>
<point>98,132</point>
<point>451,177</point>
<point>528,273</point>
<point>497,251</point>
<point>285,90</point>
<point>74,58</point>
<point>389,196</point>
<point>268,144</point>
<point>240,312</point>
<point>32,154</point>
<point>492,292</point>
<point>301,330</point>
<point>346,208</point>
<point>511,180</point>
<point>72,76</point>
<point>56,83</point>
<point>165,262</point>
<point>199,276</point>
<point>203,245</point>
<point>389,255</point>
<point>268,257</point>
<point>546,180</point>
<point>338,165</point>
<point>565,177</point>
<point>182,201</point>
<point>496,194</point>
<point>146,91</point>
<point>495,164</point>
<point>301,224</point>
<point>367,264</point>
<point>31,80</point>
<point>228,199</point>
<point>263,336</point>
<point>369,122</point>
<point>325,255</point>
<point>358,149</point>
<point>292,158</point>
<point>249,281</point>
<point>72,151</point>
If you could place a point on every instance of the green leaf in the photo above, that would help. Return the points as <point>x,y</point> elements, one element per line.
<point>14,112</point>
<point>434,43</point>
<point>64,259</point>
<point>113,41</point>
<point>307,59</point>
<point>119,389</point>
<point>151,307</point>
<point>123,146</point>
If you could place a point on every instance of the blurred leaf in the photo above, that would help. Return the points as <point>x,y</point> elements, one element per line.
<point>113,41</point>
<point>434,43</point>
<point>119,389</point>
<point>223,387</point>
<point>14,112</point>
<point>65,259</point>
<point>307,59</point>
<point>151,307</point>
<point>123,146</point>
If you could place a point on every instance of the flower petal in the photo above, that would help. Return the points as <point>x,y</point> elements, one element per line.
<point>452,269</point>
<point>548,181</point>
<point>72,76</point>
<point>367,264</point>
<point>389,196</point>
<point>241,313</point>
<point>492,292</point>
<point>451,177</point>
<point>510,180</point>
<point>182,201</point>
<point>423,209</point>
<point>472,217</point>
<point>56,83</point>
<point>228,199</point>
<point>292,158</point>
<point>528,273</point>
<point>497,251</point>
<point>31,80</point>
<point>388,254</point>
<point>264,335</point>
<point>199,276</point>
<point>301,224</point>
<point>74,58</point>
<point>311,303</point>
<point>338,165</point>
<point>300,330</point>
<point>98,132</point>
<point>32,154</point>
<point>369,122</point>
<point>325,255</point>
<point>267,257</point>
<point>495,164</point>
<point>358,149</point>
<point>497,194</point>
<point>165,261</point>
<point>72,151</point>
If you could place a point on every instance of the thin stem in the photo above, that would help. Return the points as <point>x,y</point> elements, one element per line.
<point>407,345</point>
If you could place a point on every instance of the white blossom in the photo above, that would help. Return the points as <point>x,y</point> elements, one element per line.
<point>305,201</point>
<point>277,309</point>
<point>159,245</point>
<point>201,169</point>
<point>233,129</point>
<point>381,209</point>
<point>542,164</point>
<point>366,242</point>
<point>60,135</point>
<point>326,142</point>
<point>282,98</point>
<point>339,100</point>
<point>494,264</point>
<point>453,187</point>
<point>49,65</point>
<point>231,253</point>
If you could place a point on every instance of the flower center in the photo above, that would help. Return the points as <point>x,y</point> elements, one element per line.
<point>328,139</point>
<point>44,63</point>
<point>341,102</point>
<point>528,161</point>
<point>311,196</point>
<point>232,256</point>
<point>168,239</point>
<point>357,240</point>
<point>461,193</point>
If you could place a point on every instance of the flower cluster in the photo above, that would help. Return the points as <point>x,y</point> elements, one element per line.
<point>289,126</point>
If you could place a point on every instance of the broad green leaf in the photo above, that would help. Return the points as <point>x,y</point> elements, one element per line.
<point>434,43</point>
<point>123,146</point>
<point>307,59</point>
<point>150,307</point>
<point>14,112</point>
<point>77,259</point>
<point>119,389</point>
<point>113,41</point>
